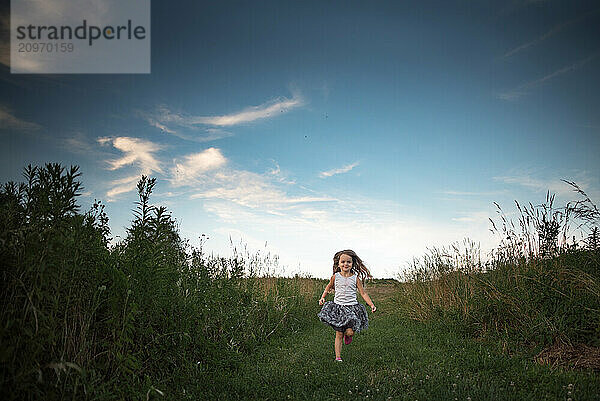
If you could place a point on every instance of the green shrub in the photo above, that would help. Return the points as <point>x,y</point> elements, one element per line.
<point>149,315</point>
<point>53,261</point>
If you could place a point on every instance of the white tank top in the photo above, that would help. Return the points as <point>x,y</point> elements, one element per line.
<point>345,290</point>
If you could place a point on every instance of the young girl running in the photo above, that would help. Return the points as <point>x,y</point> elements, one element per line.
<point>345,314</point>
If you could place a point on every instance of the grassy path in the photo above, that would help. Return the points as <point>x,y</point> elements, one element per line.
<point>396,358</point>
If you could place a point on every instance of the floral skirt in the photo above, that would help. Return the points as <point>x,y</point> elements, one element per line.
<point>341,317</point>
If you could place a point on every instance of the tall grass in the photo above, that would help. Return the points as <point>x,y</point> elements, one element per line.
<point>440,280</point>
<point>146,317</point>
<point>538,289</point>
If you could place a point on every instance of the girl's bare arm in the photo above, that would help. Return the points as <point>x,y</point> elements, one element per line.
<point>364,295</point>
<point>330,286</point>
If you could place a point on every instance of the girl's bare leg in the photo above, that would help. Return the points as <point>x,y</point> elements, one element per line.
<point>339,337</point>
<point>349,332</point>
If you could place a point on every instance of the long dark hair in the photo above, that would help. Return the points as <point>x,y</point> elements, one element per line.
<point>358,266</point>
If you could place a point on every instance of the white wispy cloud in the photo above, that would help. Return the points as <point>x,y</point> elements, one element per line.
<point>192,166</point>
<point>77,145</point>
<point>210,128</point>
<point>208,176</point>
<point>137,151</point>
<point>253,113</point>
<point>251,190</point>
<point>139,154</point>
<point>523,89</point>
<point>122,185</point>
<point>80,143</point>
<point>181,126</point>
<point>205,175</point>
<point>161,126</point>
<point>279,176</point>
<point>555,186</point>
<point>553,31</point>
<point>8,120</point>
<point>335,171</point>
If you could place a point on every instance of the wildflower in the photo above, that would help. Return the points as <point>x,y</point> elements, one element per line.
<point>102,288</point>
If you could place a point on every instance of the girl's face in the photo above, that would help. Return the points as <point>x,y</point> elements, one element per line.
<point>345,263</point>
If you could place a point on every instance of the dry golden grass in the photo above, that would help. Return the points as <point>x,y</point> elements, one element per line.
<point>578,356</point>
<point>274,286</point>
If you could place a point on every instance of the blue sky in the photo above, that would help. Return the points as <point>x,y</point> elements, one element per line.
<point>384,127</point>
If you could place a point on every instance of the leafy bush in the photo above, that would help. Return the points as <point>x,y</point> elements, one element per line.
<point>53,261</point>
<point>150,315</point>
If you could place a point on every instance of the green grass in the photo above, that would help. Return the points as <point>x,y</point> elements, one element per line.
<point>396,357</point>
